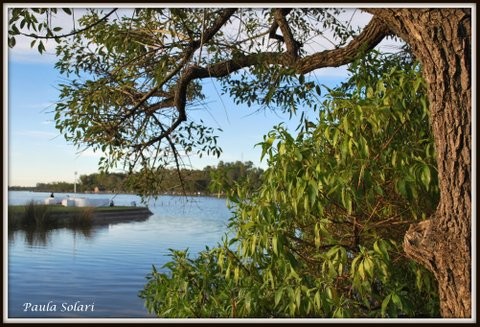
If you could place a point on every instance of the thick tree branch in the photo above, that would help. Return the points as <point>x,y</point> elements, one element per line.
<point>165,103</point>
<point>194,45</point>
<point>272,32</point>
<point>373,33</point>
<point>291,44</point>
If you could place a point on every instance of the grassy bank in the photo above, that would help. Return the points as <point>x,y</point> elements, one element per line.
<point>44,216</point>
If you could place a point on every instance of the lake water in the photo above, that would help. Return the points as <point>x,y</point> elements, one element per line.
<point>106,267</point>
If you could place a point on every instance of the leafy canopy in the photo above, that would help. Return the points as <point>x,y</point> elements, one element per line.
<point>321,236</point>
<point>133,75</point>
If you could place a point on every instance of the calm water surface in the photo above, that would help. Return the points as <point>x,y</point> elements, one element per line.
<point>106,266</point>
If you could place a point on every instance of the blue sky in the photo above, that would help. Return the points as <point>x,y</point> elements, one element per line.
<point>38,153</point>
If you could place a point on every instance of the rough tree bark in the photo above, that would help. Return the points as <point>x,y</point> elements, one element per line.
<point>441,41</point>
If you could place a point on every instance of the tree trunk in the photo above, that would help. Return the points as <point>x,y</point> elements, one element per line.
<point>441,41</point>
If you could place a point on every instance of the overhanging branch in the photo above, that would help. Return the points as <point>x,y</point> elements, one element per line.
<point>372,34</point>
<point>194,45</point>
<point>46,37</point>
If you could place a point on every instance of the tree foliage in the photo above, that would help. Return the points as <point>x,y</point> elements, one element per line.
<point>211,180</point>
<point>133,75</point>
<point>119,105</point>
<point>322,235</point>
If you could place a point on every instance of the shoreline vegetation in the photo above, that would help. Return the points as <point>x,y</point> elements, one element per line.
<point>41,216</point>
<point>210,181</point>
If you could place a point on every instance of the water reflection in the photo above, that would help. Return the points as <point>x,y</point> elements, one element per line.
<point>38,228</point>
<point>105,264</point>
<point>42,237</point>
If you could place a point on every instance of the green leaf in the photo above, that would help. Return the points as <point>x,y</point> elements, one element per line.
<point>380,247</point>
<point>402,188</point>
<point>385,302</point>
<point>368,265</point>
<point>275,245</point>
<point>397,301</point>
<point>236,274</point>
<point>41,47</point>
<point>317,236</point>
<point>370,92</point>
<point>293,273</point>
<point>317,300</point>
<point>278,296</point>
<point>301,79</point>
<point>426,176</point>
<point>347,201</point>
<point>361,270</point>
<point>298,297</point>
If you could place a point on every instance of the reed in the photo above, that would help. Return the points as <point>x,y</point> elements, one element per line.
<point>41,216</point>
<point>30,216</point>
<point>83,219</point>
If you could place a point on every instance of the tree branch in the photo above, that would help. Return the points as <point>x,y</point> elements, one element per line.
<point>163,134</point>
<point>371,35</point>
<point>194,45</point>
<point>291,44</point>
<point>175,154</point>
<point>73,32</point>
<point>272,32</point>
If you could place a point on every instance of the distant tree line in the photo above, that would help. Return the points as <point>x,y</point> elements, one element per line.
<point>209,180</point>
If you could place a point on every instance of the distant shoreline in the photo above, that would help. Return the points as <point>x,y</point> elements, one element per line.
<point>211,195</point>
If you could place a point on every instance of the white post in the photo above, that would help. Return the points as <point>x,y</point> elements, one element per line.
<point>75,184</point>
